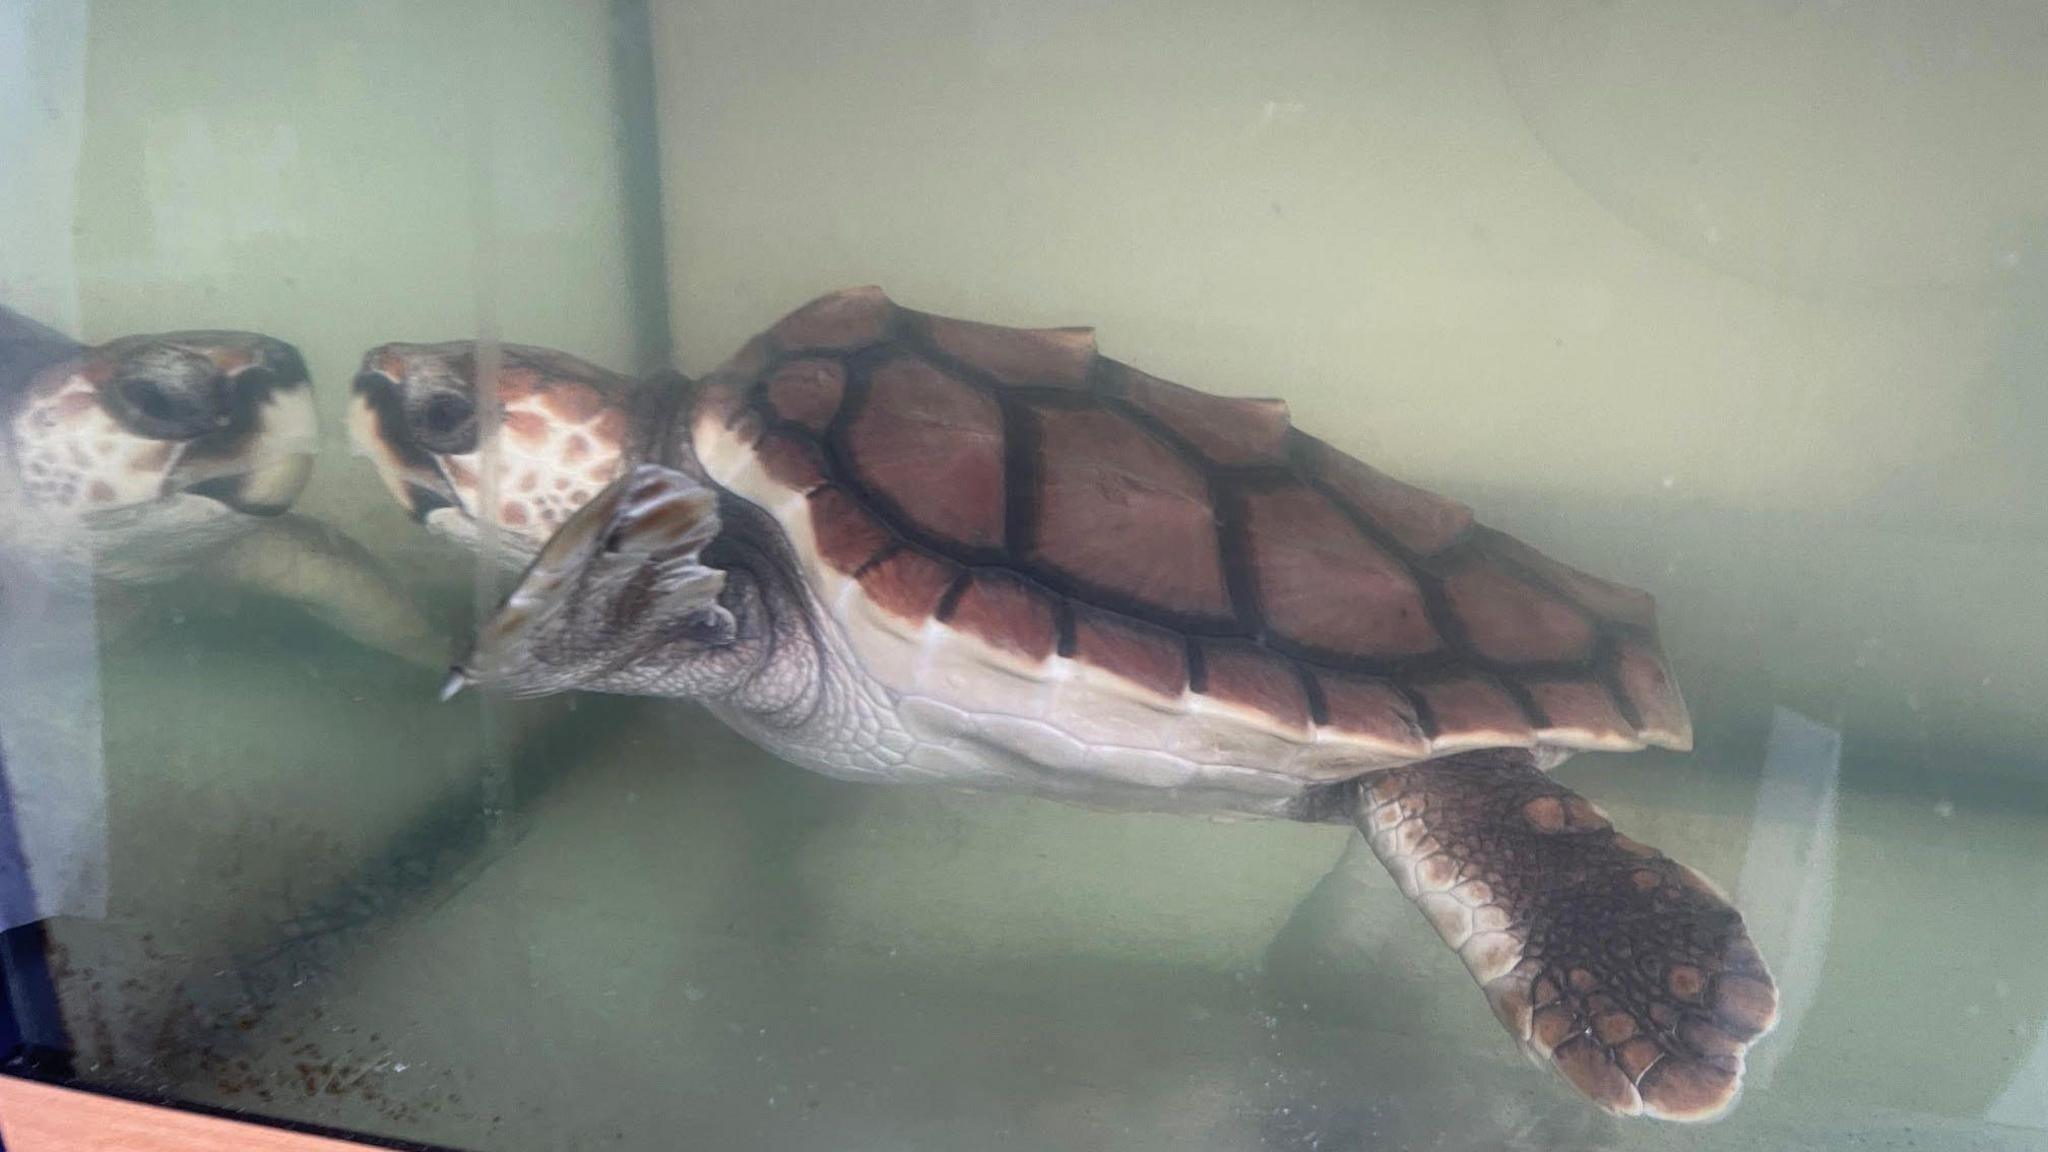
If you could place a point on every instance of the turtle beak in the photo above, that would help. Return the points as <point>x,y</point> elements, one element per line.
<point>266,490</point>
<point>376,429</point>
<point>253,437</point>
<point>458,679</point>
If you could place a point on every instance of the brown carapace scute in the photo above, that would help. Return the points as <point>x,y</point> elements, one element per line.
<point>1017,485</point>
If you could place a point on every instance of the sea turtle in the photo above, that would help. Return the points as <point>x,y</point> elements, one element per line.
<point>150,457</point>
<point>894,546</point>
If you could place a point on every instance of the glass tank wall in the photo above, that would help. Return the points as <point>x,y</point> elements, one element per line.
<point>1739,304</point>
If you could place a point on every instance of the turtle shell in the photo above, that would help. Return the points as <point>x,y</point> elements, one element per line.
<point>1077,526</point>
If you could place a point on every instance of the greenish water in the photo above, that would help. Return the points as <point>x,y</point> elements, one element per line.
<point>632,925</point>
<point>1742,304</point>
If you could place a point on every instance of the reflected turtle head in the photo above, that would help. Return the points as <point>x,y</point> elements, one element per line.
<point>565,429</point>
<point>148,432</point>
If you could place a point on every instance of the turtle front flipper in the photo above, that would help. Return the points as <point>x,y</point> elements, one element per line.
<point>333,578</point>
<point>1622,968</point>
<point>619,599</point>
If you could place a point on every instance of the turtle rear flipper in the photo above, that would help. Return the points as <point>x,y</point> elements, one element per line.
<point>1625,970</point>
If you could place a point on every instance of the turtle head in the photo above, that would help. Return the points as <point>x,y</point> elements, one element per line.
<point>617,600</point>
<point>565,428</point>
<point>215,422</point>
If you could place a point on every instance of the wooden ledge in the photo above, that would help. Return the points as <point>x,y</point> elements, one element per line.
<point>45,1118</point>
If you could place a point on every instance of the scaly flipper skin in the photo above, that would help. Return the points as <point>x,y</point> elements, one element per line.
<point>1624,969</point>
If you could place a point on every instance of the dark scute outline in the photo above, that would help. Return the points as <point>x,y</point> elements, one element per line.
<point>906,336</point>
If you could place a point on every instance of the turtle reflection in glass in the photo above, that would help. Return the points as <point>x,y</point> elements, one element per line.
<point>891,546</point>
<point>155,456</point>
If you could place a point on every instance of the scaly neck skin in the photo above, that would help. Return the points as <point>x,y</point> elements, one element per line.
<point>773,682</point>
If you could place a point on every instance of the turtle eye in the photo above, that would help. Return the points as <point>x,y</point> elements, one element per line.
<point>163,412</point>
<point>446,412</point>
<point>149,399</point>
<point>446,423</point>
